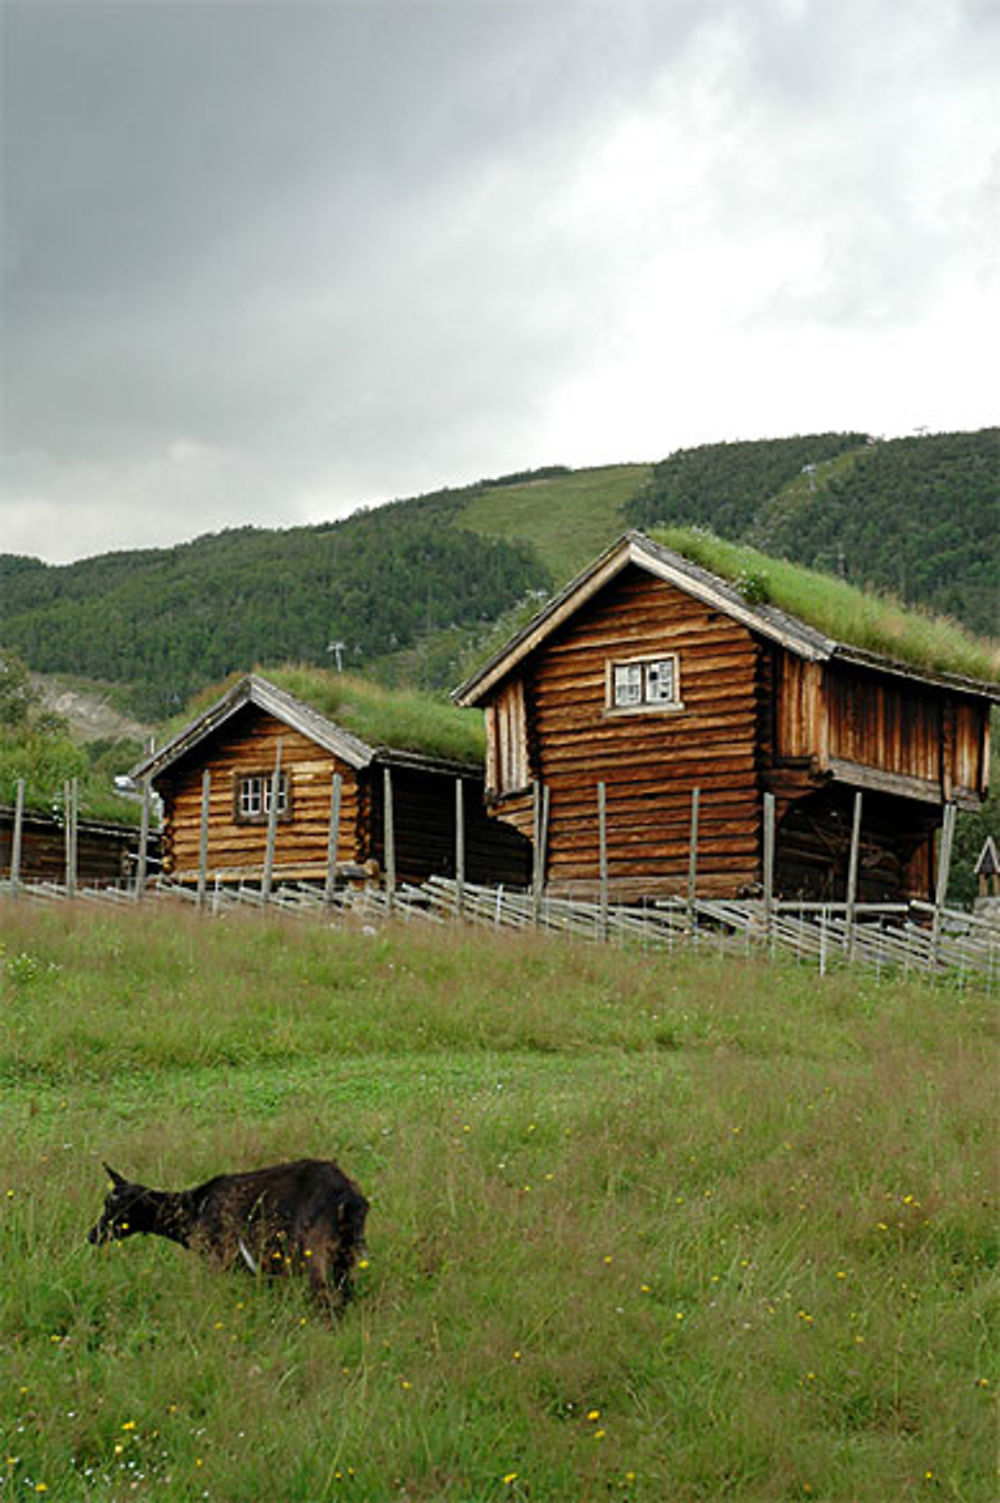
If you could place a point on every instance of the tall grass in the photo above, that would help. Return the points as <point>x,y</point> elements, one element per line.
<point>644,1227</point>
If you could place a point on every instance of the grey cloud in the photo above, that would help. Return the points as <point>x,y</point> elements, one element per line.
<point>262,258</point>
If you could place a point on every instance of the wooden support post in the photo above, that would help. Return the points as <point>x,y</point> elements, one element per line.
<point>333,838</point>
<point>206,794</point>
<point>460,847</point>
<point>15,850</point>
<point>852,876</point>
<point>693,855</point>
<point>389,829</point>
<point>943,870</point>
<point>602,856</point>
<point>768,862</point>
<point>272,827</point>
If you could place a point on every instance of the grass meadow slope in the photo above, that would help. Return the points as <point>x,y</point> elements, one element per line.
<point>644,1227</point>
<point>569,519</point>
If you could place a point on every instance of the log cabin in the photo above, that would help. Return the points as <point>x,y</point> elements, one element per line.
<point>655,677</point>
<point>256,727</point>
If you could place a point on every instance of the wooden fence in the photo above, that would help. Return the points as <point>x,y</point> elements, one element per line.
<point>905,938</point>
<point>931,939</point>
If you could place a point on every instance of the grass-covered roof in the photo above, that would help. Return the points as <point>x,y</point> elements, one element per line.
<point>404,720</point>
<point>844,612</point>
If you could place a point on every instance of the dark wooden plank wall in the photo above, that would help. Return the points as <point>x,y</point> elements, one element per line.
<point>896,856</point>
<point>423,804</point>
<point>891,725</point>
<point>245,745</point>
<point>649,761</point>
<point>104,854</point>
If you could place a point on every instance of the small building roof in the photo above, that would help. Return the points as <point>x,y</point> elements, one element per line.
<point>988,861</point>
<point>664,563</point>
<point>260,692</point>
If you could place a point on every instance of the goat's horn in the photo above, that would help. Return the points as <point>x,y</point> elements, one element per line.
<point>113,1175</point>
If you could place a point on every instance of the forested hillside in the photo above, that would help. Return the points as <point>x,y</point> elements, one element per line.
<point>723,486</point>
<point>168,621</point>
<point>916,516</point>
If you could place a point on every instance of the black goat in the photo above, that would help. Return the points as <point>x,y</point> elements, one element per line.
<point>306,1216</point>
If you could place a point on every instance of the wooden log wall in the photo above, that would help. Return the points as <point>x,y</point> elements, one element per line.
<point>244,746</point>
<point>649,760</point>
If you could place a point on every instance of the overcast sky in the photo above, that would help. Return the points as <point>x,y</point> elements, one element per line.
<point>268,262</point>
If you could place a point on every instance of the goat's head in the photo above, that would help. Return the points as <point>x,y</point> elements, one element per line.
<point>117,1219</point>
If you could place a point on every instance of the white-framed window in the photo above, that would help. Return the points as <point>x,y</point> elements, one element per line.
<point>645,683</point>
<point>253,796</point>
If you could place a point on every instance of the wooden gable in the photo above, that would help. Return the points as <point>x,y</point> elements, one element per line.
<point>248,745</point>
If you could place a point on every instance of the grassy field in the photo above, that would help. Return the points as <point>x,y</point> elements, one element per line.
<point>643,1228</point>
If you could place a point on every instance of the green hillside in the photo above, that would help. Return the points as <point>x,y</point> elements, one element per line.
<point>167,621</point>
<point>918,516</point>
<point>568,518</point>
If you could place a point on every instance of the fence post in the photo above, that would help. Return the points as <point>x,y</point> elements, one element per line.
<point>272,827</point>
<point>941,887</point>
<point>768,862</point>
<point>143,855</point>
<point>693,856</point>
<point>852,877</point>
<point>389,836</point>
<point>460,847</point>
<point>15,850</point>
<point>333,838</point>
<point>69,809</point>
<point>536,846</point>
<point>602,856</point>
<point>206,794</point>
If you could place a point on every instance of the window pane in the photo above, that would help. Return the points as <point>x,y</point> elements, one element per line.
<point>628,684</point>
<point>282,793</point>
<point>660,681</point>
<point>250,796</point>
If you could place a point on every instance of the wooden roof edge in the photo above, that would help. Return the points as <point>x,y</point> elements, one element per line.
<point>543,623</point>
<point>862,657</point>
<point>393,756</point>
<point>253,689</point>
<point>664,563</point>
<point>94,825</point>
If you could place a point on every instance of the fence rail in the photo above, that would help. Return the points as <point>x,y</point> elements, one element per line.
<point>911,937</point>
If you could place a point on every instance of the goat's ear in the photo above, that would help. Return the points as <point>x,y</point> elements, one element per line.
<point>115,1178</point>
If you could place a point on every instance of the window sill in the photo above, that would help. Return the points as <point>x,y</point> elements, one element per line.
<point>619,712</point>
